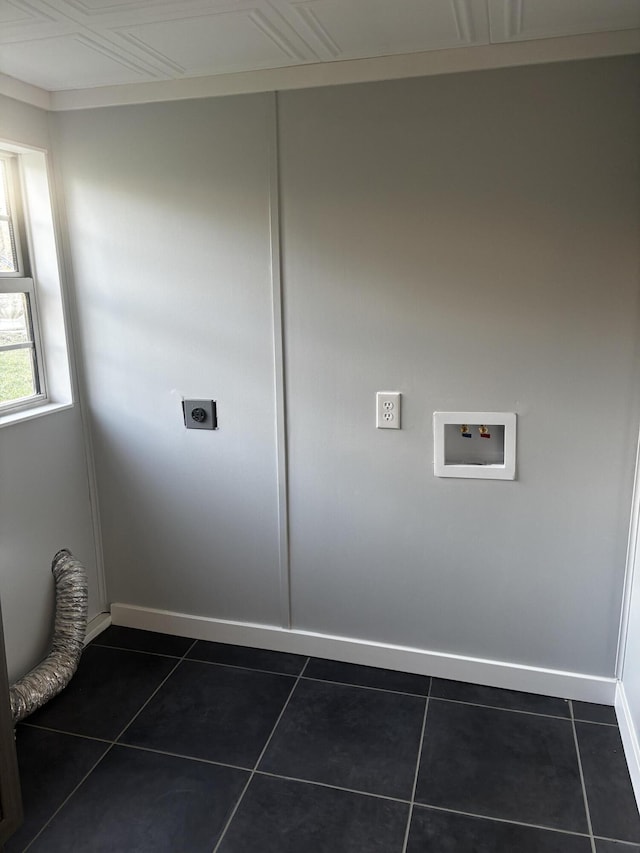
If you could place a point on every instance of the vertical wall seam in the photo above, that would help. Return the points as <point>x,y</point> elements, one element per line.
<point>78,376</point>
<point>279,364</point>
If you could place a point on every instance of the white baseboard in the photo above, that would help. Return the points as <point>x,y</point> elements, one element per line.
<point>629,737</point>
<point>510,676</point>
<point>96,626</point>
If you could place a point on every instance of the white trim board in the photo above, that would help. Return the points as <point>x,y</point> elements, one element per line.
<point>96,626</point>
<point>279,382</point>
<point>633,554</point>
<point>629,739</point>
<point>510,676</point>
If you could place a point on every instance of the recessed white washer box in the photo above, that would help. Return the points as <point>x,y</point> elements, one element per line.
<point>475,445</point>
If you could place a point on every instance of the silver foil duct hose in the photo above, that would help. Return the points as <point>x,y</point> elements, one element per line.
<point>51,676</point>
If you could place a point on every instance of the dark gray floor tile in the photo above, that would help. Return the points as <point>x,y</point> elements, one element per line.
<point>613,809</point>
<point>51,765</point>
<point>281,816</point>
<point>367,676</point>
<point>109,687</point>
<point>247,657</point>
<point>366,740</point>
<point>511,700</point>
<point>143,641</point>
<point>494,763</point>
<point>593,713</point>
<point>442,832</point>
<point>615,847</point>
<point>148,803</point>
<point>215,712</point>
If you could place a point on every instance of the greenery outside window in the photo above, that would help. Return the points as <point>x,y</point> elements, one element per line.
<point>21,364</point>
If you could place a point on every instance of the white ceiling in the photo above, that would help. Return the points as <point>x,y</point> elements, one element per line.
<point>58,45</point>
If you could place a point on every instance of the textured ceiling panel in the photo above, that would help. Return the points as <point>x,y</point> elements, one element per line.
<point>513,20</point>
<point>12,13</point>
<point>91,6</point>
<point>65,62</point>
<point>76,44</point>
<point>220,43</point>
<point>379,27</point>
<point>19,15</point>
<point>105,12</point>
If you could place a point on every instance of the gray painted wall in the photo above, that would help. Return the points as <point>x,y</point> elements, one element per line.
<point>469,240</point>
<point>168,210</point>
<point>44,495</point>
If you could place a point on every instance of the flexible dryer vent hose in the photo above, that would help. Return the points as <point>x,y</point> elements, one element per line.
<point>51,676</point>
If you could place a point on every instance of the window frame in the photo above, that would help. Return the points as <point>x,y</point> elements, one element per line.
<point>22,281</point>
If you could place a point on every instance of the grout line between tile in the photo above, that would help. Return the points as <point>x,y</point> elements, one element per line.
<point>597,723</point>
<point>66,800</point>
<point>314,782</point>
<point>332,787</point>
<point>65,732</point>
<point>366,687</point>
<point>415,777</point>
<point>184,757</point>
<point>498,708</point>
<point>351,684</point>
<point>86,776</point>
<point>245,668</point>
<point>255,767</point>
<point>136,651</point>
<point>502,820</point>
<point>584,787</point>
<point>253,771</point>
<point>162,683</point>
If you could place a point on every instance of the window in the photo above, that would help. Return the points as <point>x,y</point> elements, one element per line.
<point>21,364</point>
<point>32,317</point>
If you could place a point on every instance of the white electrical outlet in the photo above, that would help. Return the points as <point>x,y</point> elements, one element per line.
<point>388,409</point>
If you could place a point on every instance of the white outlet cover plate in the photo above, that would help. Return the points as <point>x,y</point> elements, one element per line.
<point>506,471</point>
<point>388,409</point>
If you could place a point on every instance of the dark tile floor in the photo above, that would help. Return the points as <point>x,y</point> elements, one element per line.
<point>165,744</point>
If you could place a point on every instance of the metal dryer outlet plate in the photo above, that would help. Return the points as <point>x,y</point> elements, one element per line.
<point>200,414</point>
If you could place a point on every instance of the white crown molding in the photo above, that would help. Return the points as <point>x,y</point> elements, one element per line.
<point>473,58</point>
<point>428,63</point>
<point>20,91</point>
<point>493,673</point>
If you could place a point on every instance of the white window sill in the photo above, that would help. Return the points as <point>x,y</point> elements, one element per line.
<point>35,411</point>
